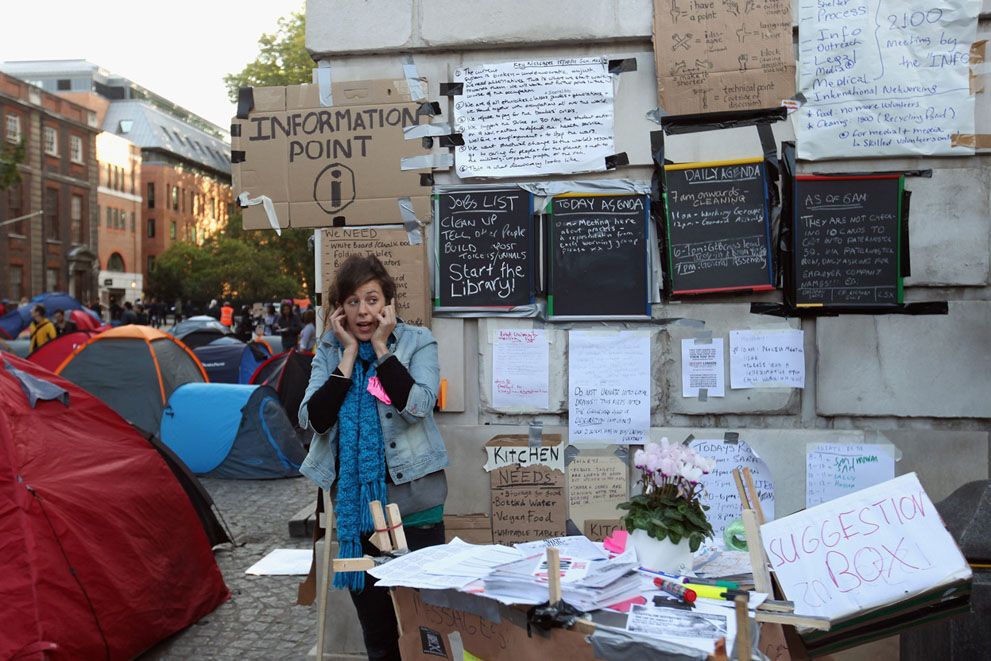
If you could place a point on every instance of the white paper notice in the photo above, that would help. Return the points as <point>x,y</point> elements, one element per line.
<point>283,562</point>
<point>836,469</point>
<point>702,367</point>
<point>720,493</point>
<point>767,359</point>
<point>535,117</point>
<point>878,546</point>
<point>884,77</point>
<point>520,370</point>
<point>699,627</point>
<point>608,386</point>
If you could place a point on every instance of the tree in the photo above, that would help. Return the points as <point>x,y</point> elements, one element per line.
<point>11,156</point>
<point>282,60</point>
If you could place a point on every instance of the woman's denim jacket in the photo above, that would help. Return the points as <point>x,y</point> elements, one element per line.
<point>413,445</point>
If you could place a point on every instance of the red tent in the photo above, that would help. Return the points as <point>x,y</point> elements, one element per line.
<point>85,321</point>
<point>102,553</point>
<point>51,354</point>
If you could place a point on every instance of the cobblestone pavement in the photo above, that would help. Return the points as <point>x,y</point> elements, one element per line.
<point>261,620</point>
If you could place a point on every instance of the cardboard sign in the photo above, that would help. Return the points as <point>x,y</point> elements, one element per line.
<point>328,166</point>
<point>598,481</point>
<point>407,264</point>
<point>878,546</point>
<point>727,55</point>
<point>598,529</point>
<point>527,501</point>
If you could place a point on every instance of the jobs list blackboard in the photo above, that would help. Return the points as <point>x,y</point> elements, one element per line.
<point>484,249</point>
<point>718,228</point>
<point>847,240</point>
<point>598,264</point>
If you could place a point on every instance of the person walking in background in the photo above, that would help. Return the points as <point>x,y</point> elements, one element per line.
<point>245,324</point>
<point>178,311</point>
<point>269,319</point>
<point>41,329</point>
<point>288,325</point>
<point>141,313</point>
<point>370,400</point>
<point>227,314</point>
<point>115,310</point>
<point>97,308</point>
<point>128,316</point>
<point>308,336</point>
<point>63,325</point>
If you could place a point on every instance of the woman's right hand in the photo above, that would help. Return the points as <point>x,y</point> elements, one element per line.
<point>337,321</point>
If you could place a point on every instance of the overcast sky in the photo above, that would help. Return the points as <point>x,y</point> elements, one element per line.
<point>179,49</point>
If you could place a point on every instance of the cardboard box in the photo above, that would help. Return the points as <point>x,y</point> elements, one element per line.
<point>329,166</point>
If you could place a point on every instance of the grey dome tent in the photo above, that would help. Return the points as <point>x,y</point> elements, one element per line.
<point>231,431</point>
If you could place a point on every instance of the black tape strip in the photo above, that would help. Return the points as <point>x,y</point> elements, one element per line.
<point>429,108</point>
<point>427,142</point>
<point>452,89</point>
<point>711,121</point>
<point>245,102</point>
<point>238,200</point>
<point>426,178</point>
<point>906,256</point>
<point>338,221</point>
<point>731,437</point>
<point>622,66</point>
<point>786,311</point>
<point>235,130</point>
<point>453,140</point>
<point>925,174</point>
<point>617,160</point>
<point>237,156</point>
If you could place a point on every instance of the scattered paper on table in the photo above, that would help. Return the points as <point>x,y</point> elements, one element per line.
<point>407,570</point>
<point>767,358</point>
<point>838,469</point>
<point>702,366</point>
<point>520,369</point>
<point>699,627</point>
<point>575,546</point>
<point>283,562</point>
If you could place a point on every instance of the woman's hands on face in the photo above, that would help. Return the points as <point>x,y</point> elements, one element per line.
<point>338,321</point>
<point>387,324</point>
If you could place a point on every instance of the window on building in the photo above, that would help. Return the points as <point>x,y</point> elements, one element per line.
<point>116,218</point>
<point>133,189</point>
<point>110,178</point>
<point>133,220</point>
<point>64,85</point>
<point>116,263</point>
<point>151,228</point>
<point>151,196</point>
<point>14,128</point>
<point>76,149</point>
<point>15,207</point>
<point>125,126</point>
<point>182,199</point>
<point>172,229</point>
<point>16,282</point>
<point>51,215</point>
<point>52,280</point>
<point>175,198</point>
<point>50,137</point>
<point>168,195</point>
<point>109,217</point>
<point>76,218</point>
<point>151,263</point>
<point>123,219</point>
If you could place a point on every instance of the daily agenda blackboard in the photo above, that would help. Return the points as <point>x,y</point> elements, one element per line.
<point>846,240</point>
<point>718,227</point>
<point>485,256</point>
<point>598,265</point>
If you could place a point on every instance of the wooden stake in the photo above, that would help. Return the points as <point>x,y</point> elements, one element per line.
<point>744,501</point>
<point>754,499</point>
<point>380,538</point>
<point>323,590</point>
<point>554,575</point>
<point>396,527</point>
<point>762,577</point>
<point>743,652</point>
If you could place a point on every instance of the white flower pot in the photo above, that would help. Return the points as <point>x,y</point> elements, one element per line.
<point>662,555</point>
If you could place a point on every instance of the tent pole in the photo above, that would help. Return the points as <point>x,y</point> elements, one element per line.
<point>323,590</point>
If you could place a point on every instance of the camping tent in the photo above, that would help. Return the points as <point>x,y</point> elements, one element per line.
<point>15,321</point>
<point>289,374</point>
<point>103,555</point>
<point>232,431</point>
<point>134,370</point>
<point>197,331</point>
<point>51,354</point>
<point>86,320</point>
<point>229,360</point>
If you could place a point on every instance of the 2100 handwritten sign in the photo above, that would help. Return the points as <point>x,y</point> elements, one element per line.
<point>484,253</point>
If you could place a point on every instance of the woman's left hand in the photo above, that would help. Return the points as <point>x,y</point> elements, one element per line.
<point>387,324</point>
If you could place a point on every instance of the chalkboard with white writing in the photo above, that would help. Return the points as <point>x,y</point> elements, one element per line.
<point>718,229</point>
<point>846,241</point>
<point>598,264</point>
<point>485,256</point>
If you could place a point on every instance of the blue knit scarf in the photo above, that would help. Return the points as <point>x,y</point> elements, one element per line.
<point>361,466</point>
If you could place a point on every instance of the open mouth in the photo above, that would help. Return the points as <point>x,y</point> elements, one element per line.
<point>365,327</point>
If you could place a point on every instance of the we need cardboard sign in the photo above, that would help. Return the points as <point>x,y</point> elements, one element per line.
<point>329,166</point>
<point>871,548</point>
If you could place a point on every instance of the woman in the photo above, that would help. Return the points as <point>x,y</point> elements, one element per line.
<point>370,399</point>
<point>308,336</point>
<point>288,325</point>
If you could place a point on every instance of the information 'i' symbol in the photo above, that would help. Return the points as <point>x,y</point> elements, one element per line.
<point>334,188</point>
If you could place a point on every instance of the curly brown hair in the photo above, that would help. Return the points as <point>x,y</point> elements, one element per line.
<point>356,271</point>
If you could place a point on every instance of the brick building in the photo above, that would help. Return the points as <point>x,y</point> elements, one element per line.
<point>182,175</point>
<point>54,248</point>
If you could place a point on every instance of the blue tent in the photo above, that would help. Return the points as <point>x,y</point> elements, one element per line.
<point>229,360</point>
<point>231,431</point>
<point>15,321</point>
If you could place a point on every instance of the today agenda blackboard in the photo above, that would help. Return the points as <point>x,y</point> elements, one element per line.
<point>847,241</point>
<point>598,262</point>
<point>484,249</point>
<point>718,229</point>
